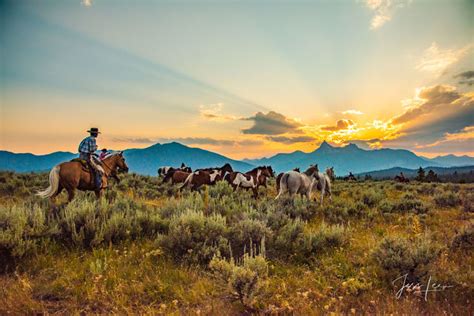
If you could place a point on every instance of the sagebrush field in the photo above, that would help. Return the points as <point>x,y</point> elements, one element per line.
<point>147,248</point>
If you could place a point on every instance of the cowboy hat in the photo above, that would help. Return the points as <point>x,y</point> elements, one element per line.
<point>94,130</point>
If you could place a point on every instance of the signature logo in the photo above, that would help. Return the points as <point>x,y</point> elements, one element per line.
<point>418,289</point>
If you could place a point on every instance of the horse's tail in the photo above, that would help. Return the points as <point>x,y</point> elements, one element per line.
<point>187,182</point>
<point>278,181</point>
<point>283,184</point>
<point>53,184</point>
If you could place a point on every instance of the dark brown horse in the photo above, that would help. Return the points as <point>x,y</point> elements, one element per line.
<point>179,176</point>
<point>73,175</point>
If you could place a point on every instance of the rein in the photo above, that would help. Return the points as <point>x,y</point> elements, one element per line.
<point>108,167</point>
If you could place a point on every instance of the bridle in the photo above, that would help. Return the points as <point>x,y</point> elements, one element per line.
<point>108,167</point>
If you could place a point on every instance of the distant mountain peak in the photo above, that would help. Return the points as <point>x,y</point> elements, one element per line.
<point>325,145</point>
<point>352,146</point>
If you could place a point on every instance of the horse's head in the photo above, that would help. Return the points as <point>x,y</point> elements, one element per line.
<point>270,171</point>
<point>186,169</point>
<point>330,173</point>
<point>266,171</point>
<point>120,162</point>
<point>312,170</point>
<point>227,167</point>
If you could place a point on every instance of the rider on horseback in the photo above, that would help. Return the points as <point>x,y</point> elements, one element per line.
<point>87,149</point>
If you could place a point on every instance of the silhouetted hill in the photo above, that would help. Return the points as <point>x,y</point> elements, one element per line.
<point>344,159</point>
<point>143,161</point>
<point>29,162</point>
<point>148,160</point>
<point>452,160</point>
<point>412,173</point>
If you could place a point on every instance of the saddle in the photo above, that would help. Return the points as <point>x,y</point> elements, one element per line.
<point>84,163</point>
<point>86,167</point>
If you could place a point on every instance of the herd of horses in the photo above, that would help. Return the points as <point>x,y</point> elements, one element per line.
<point>76,175</point>
<point>292,182</point>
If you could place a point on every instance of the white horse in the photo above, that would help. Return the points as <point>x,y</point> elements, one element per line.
<point>323,183</point>
<point>296,182</point>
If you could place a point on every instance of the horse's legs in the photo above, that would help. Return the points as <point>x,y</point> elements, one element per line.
<point>71,193</point>
<point>255,192</point>
<point>323,190</point>
<point>98,193</point>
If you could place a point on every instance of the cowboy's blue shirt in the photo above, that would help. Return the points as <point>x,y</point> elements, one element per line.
<point>88,145</point>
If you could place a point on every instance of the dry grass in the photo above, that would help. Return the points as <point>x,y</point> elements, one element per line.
<point>136,275</point>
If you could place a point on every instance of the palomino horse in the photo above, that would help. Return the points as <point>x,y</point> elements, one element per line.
<point>250,180</point>
<point>323,183</point>
<point>72,175</point>
<point>296,182</point>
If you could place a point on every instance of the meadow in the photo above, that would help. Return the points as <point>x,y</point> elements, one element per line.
<point>147,248</point>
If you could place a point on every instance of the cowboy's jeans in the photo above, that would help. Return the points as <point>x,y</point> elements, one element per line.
<point>96,168</point>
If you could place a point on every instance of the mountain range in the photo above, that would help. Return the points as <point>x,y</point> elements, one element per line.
<point>345,159</point>
<point>411,173</point>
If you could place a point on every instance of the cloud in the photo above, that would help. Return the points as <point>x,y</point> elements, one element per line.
<point>437,60</point>
<point>383,10</point>
<point>291,139</point>
<point>272,123</point>
<point>466,77</point>
<point>431,98</point>
<point>213,112</point>
<point>340,125</point>
<point>138,140</point>
<point>365,144</point>
<point>352,112</point>
<point>467,133</point>
<point>190,141</point>
<point>86,3</point>
<point>443,118</point>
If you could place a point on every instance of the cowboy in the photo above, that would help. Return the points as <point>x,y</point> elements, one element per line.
<point>87,149</point>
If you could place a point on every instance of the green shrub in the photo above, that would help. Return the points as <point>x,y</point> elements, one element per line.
<point>447,199</point>
<point>195,238</point>
<point>399,256</point>
<point>427,189</point>
<point>372,198</point>
<point>468,203</point>
<point>409,203</point>
<point>464,239</point>
<point>287,239</point>
<point>322,238</point>
<point>247,232</point>
<point>22,229</point>
<point>245,279</point>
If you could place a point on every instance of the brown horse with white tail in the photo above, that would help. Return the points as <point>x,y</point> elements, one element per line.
<point>72,175</point>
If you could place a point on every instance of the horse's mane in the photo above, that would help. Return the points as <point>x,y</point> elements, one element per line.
<point>307,172</point>
<point>256,169</point>
<point>112,154</point>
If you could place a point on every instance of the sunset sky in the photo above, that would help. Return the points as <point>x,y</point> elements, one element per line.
<point>242,78</point>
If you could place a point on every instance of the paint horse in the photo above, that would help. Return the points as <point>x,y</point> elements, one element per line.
<point>167,172</point>
<point>207,176</point>
<point>251,180</point>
